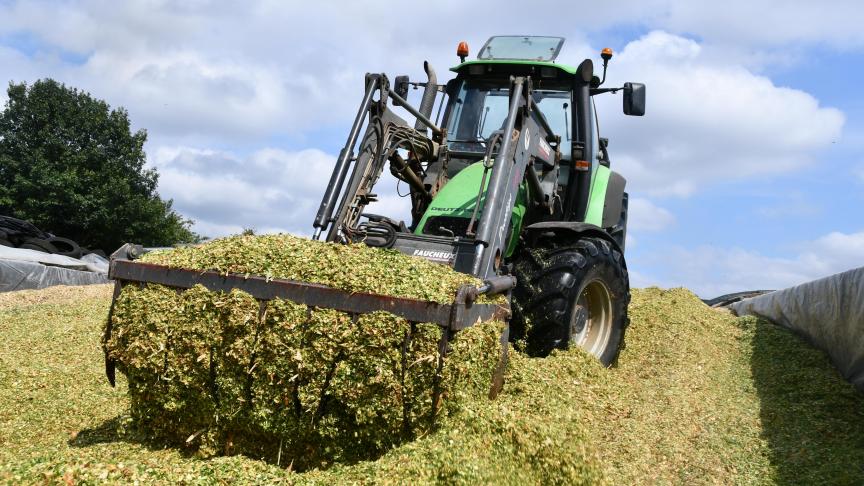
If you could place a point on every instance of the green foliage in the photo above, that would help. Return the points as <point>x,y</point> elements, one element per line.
<point>72,166</point>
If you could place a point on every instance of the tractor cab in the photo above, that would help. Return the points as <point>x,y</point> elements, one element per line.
<point>509,182</point>
<point>479,97</point>
<point>478,104</point>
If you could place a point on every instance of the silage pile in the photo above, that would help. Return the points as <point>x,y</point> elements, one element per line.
<point>288,383</point>
<point>697,397</point>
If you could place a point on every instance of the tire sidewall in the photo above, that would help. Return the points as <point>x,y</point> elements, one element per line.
<point>38,244</point>
<point>550,282</point>
<point>65,247</point>
<point>609,275</point>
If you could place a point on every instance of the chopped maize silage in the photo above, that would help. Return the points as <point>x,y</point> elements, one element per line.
<point>301,385</point>
<point>698,397</point>
<point>355,267</point>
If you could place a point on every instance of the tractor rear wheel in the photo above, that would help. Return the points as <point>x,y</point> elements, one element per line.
<point>573,295</point>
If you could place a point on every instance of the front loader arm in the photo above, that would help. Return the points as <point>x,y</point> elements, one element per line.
<point>385,132</point>
<point>525,141</point>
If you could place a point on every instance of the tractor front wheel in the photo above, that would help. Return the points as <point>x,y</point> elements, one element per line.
<point>572,295</point>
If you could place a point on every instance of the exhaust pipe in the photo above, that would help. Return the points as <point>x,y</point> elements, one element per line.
<point>429,94</point>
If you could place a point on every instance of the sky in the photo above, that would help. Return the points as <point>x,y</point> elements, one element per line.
<point>747,171</point>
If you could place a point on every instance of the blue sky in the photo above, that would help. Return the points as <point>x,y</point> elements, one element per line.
<point>746,172</point>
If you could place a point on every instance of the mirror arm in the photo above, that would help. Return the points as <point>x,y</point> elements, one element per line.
<point>596,91</point>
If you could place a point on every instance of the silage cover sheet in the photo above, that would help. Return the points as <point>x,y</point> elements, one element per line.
<point>828,312</point>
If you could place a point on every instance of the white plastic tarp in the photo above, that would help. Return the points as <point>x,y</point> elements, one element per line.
<point>829,312</point>
<point>22,269</point>
<point>22,275</point>
<point>95,263</point>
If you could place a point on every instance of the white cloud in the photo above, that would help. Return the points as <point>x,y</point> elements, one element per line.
<point>796,207</point>
<point>646,216</point>
<point>213,80</point>
<point>762,22</point>
<point>184,92</point>
<point>706,122</point>
<point>236,70</point>
<point>711,271</point>
<point>270,190</point>
<point>248,72</point>
<point>85,24</point>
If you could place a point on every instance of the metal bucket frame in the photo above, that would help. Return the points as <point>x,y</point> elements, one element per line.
<point>460,314</point>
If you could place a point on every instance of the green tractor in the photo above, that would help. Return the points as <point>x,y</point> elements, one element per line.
<point>511,183</point>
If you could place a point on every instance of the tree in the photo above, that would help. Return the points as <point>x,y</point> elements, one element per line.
<point>72,166</point>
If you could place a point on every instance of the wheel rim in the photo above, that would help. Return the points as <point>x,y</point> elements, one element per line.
<point>591,319</point>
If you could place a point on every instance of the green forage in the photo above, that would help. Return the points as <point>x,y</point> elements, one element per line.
<point>697,397</point>
<point>219,372</point>
<point>356,268</point>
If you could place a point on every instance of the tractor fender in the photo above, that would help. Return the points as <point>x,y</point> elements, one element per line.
<point>570,228</point>
<point>614,199</point>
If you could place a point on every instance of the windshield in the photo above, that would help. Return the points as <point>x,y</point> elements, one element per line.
<point>480,110</point>
<point>533,48</point>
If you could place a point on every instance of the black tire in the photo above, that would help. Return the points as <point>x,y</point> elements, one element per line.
<point>22,228</point>
<point>576,293</point>
<point>38,244</point>
<point>65,247</point>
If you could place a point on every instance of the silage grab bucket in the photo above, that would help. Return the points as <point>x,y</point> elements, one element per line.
<point>463,312</point>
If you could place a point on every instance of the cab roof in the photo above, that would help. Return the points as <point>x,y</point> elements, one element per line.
<point>521,47</point>
<point>513,62</point>
<point>519,51</point>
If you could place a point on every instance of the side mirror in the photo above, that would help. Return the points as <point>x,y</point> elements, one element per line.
<point>634,99</point>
